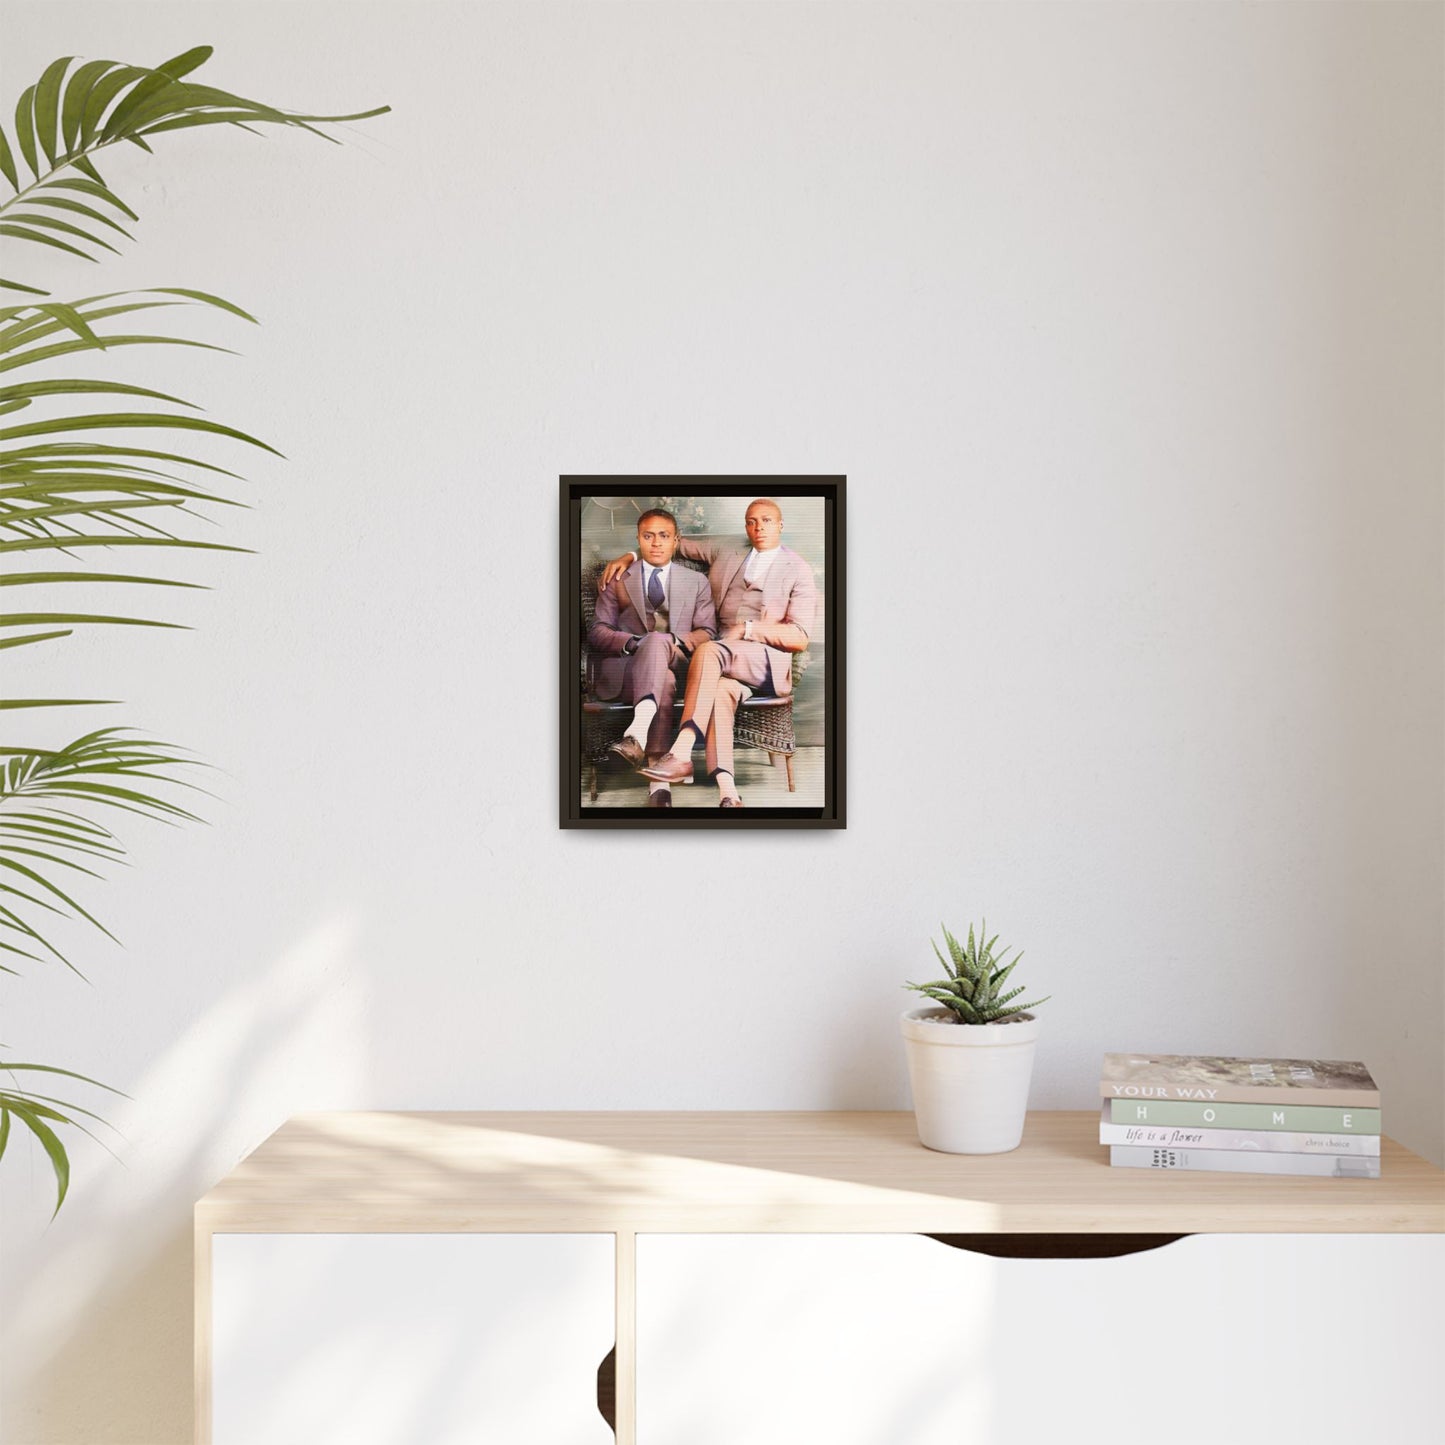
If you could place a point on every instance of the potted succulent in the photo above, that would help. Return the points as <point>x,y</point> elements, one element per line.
<point>971,1057</point>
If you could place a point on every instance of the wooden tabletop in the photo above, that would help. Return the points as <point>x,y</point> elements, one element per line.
<point>825,1172</point>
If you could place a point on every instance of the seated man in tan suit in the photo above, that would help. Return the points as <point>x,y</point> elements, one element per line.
<point>766,604</point>
<point>650,617</point>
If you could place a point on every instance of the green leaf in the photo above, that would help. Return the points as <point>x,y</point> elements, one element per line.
<point>10,704</point>
<point>153,85</point>
<point>99,192</point>
<point>960,959</point>
<point>28,1096</point>
<point>206,117</point>
<point>87,167</point>
<point>54,223</point>
<point>33,389</point>
<point>78,208</point>
<point>47,108</point>
<point>28,579</point>
<point>59,837</point>
<point>76,91</point>
<point>22,233</point>
<point>70,318</point>
<point>59,1159</point>
<point>25,130</point>
<point>67,348</point>
<point>130,419</point>
<point>102,93</point>
<point>7,161</point>
<point>75,619</point>
<point>40,481</point>
<point>65,543</point>
<point>205,297</point>
<point>28,323</point>
<point>187,61</point>
<point>948,967</point>
<point>188,98</point>
<point>16,848</point>
<point>57,892</point>
<point>32,637</point>
<point>20,286</point>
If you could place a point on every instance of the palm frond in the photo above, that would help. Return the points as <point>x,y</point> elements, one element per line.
<point>74,111</point>
<point>65,489</point>
<point>41,1113</point>
<point>109,768</point>
<point>61,491</point>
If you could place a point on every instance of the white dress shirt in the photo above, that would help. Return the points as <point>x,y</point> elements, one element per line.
<point>755,569</point>
<point>666,569</point>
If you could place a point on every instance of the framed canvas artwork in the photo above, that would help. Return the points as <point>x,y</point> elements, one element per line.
<point>702,652</point>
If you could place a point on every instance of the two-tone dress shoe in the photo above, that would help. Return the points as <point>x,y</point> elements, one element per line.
<point>731,803</point>
<point>629,750</point>
<point>662,798</point>
<point>669,769</point>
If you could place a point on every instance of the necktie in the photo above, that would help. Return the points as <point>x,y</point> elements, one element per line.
<point>655,593</point>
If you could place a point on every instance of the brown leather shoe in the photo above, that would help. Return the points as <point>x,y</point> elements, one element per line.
<point>660,799</point>
<point>668,769</point>
<point>630,751</point>
<point>731,803</point>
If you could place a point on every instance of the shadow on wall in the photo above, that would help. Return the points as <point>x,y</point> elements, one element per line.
<point>98,1339</point>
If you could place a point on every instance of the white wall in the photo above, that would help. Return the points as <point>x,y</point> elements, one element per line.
<point>1124,323</point>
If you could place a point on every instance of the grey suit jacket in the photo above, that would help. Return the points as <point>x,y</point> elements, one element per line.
<point>622,615</point>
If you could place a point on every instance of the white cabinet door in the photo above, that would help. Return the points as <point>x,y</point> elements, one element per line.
<point>900,1340</point>
<point>397,1339</point>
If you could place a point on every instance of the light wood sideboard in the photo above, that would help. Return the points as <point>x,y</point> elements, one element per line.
<point>599,1193</point>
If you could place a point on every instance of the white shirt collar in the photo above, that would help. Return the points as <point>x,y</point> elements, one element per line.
<point>759,562</point>
<point>648,569</point>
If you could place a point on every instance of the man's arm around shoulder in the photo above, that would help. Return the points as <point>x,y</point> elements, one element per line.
<point>703,549</point>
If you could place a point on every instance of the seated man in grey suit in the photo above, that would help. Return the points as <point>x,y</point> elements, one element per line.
<point>766,605</point>
<point>650,618</point>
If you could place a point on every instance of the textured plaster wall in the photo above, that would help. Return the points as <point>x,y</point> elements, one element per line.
<point>1124,323</point>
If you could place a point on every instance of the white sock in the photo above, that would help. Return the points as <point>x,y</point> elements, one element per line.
<point>642,717</point>
<point>686,742</point>
<point>725,785</point>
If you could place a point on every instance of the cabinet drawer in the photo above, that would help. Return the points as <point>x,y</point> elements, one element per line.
<point>863,1339</point>
<point>392,1339</point>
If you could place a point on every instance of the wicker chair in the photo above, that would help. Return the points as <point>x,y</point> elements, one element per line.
<point>762,722</point>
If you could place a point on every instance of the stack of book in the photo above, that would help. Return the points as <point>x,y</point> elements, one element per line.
<point>1243,1116</point>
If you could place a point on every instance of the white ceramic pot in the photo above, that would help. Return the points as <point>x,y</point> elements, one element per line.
<point>970,1081</point>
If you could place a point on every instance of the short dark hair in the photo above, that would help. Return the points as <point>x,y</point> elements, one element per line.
<point>657,512</point>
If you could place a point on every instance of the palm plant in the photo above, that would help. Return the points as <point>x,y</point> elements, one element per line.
<point>74,485</point>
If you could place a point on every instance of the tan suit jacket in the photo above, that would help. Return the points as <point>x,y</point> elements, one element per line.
<point>790,600</point>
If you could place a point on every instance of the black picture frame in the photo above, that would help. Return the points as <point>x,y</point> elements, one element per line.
<point>576,809</point>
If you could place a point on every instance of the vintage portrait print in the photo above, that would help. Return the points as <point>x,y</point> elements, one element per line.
<point>702,651</point>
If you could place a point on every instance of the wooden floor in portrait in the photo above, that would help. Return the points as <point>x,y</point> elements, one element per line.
<point>759,783</point>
